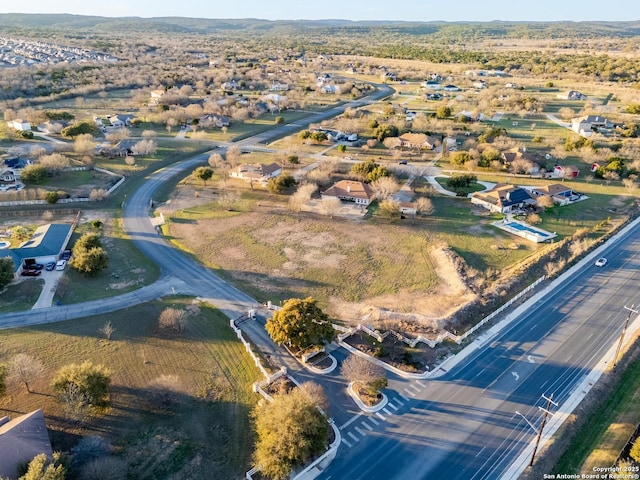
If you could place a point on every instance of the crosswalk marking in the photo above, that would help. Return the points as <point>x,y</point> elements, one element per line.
<point>360,431</point>
<point>420,383</point>
<point>410,392</point>
<point>374,421</point>
<point>352,435</point>
<point>414,388</point>
<point>387,411</point>
<point>366,425</point>
<point>379,415</point>
<point>398,401</point>
<point>344,440</point>
<point>403,396</point>
<point>393,406</point>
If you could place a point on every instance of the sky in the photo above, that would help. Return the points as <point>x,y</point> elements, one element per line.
<point>415,10</point>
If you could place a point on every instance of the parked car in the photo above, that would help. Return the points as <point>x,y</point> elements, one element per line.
<point>66,255</point>
<point>601,262</point>
<point>60,264</point>
<point>50,266</point>
<point>30,272</point>
<point>402,162</point>
<point>34,266</point>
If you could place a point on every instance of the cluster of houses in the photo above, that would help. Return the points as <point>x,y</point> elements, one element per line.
<point>16,52</point>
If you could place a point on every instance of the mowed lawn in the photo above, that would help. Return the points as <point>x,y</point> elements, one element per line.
<point>204,432</point>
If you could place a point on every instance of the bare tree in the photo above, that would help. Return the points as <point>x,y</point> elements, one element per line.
<point>385,187</point>
<point>316,393</point>
<point>107,330</point>
<point>98,194</point>
<point>172,319</point>
<point>365,373</point>
<point>165,389</point>
<point>233,155</point>
<point>215,160</point>
<point>630,185</point>
<point>226,199</point>
<point>330,206</point>
<point>144,147</point>
<point>424,206</point>
<point>84,144</point>
<point>25,369</point>
<point>302,196</point>
<point>55,162</point>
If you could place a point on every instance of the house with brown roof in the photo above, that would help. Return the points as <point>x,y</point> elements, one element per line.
<point>559,192</point>
<point>251,172</point>
<point>522,161</point>
<point>503,198</point>
<point>21,439</point>
<point>418,141</point>
<point>350,191</point>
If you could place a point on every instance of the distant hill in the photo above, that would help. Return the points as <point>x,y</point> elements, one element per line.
<point>462,31</point>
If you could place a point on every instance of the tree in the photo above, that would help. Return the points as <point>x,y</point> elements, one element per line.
<point>3,378</point>
<point>79,128</point>
<point>98,194</point>
<point>215,160</point>
<point>424,206</point>
<point>203,173</point>
<point>90,380</point>
<point>443,112</point>
<point>635,450</point>
<point>233,155</point>
<point>20,233</point>
<point>300,324</point>
<point>302,196</point>
<point>88,255</point>
<point>330,205</point>
<point>384,131</point>
<point>385,187</point>
<point>172,319</point>
<point>389,208</point>
<point>25,369</point>
<point>290,431</point>
<point>460,158</point>
<point>144,147</point>
<point>280,183</point>
<point>363,169</point>
<point>378,173</point>
<point>107,329</point>
<point>6,272</point>
<point>54,163</point>
<point>33,174</point>
<point>41,468</point>
<point>370,376</point>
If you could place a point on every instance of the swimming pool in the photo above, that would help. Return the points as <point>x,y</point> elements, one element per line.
<point>524,230</point>
<point>4,244</point>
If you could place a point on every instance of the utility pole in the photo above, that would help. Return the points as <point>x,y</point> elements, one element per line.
<point>624,330</point>
<point>544,421</point>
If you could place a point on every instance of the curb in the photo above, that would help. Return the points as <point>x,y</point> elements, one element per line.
<point>375,408</point>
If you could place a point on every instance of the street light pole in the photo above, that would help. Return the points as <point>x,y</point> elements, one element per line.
<point>542,424</point>
<point>624,330</point>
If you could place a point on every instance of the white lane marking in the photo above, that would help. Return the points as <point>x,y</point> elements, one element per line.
<point>379,415</point>
<point>406,398</point>
<point>366,425</point>
<point>542,386</point>
<point>480,451</point>
<point>420,383</point>
<point>515,375</point>
<point>398,401</point>
<point>385,410</point>
<point>353,435</point>
<point>353,419</point>
<point>374,421</point>
<point>360,431</point>
<point>569,357</point>
<point>344,440</point>
<point>395,409</point>
<point>414,387</point>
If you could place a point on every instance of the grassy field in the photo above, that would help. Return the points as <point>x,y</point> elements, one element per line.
<point>128,269</point>
<point>21,296</point>
<point>204,432</point>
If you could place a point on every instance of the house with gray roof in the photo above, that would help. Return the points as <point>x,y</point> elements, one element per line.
<point>21,439</point>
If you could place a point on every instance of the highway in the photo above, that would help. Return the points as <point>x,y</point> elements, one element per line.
<point>463,425</point>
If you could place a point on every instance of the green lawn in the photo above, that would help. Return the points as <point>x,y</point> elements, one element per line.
<point>128,269</point>
<point>20,296</point>
<point>202,432</point>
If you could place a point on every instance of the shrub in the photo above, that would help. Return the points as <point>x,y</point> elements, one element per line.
<point>52,197</point>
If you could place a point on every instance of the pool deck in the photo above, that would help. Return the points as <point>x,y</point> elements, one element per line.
<point>533,234</point>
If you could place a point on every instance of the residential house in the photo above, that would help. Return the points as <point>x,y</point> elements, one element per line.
<point>586,125</point>
<point>470,116</point>
<point>7,175</point>
<point>279,87</point>
<point>333,89</point>
<point>434,96</point>
<point>451,88</point>
<point>503,198</point>
<point>350,191</point>
<point>432,85</point>
<point>21,439</point>
<point>256,171</point>
<point>323,78</point>
<point>594,166</point>
<point>559,192</point>
<point>214,120</point>
<point>390,76</point>
<point>19,124</point>
<point>230,85</point>
<point>480,84</point>
<point>156,95</point>
<point>511,85</point>
<point>572,95</point>
<point>568,171</point>
<point>418,141</point>
<point>522,161</point>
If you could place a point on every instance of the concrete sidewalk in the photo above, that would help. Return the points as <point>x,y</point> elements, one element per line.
<point>51,280</point>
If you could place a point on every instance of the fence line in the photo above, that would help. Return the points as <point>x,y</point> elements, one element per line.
<point>412,342</point>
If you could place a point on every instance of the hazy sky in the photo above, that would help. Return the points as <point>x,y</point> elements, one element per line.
<point>420,10</point>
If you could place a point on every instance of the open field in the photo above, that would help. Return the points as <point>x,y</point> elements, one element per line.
<point>203,431</point>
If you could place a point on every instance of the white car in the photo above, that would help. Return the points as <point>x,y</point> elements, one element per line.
<point>601,262</point>
<point>60,264</point>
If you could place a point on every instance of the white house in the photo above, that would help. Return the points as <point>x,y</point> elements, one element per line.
<point>19,124</point>
<point>255,171</point>
<point>586,125</point>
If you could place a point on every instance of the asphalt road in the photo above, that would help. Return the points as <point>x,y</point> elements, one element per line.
<point>463,425</point>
